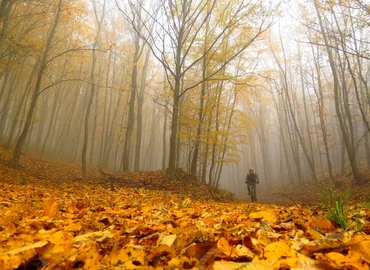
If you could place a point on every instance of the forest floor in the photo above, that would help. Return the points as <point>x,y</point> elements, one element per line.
<point>52,219</point>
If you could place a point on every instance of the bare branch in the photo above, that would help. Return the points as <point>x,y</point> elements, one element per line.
<point>336,48</point>
<point>68,51</point>
<point>163,105</point>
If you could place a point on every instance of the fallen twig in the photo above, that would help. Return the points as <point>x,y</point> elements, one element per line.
<point>284,195</point>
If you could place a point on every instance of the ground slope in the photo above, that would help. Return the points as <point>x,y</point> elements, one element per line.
<point>51,219</point>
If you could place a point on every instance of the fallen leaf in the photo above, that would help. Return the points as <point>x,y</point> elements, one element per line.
<point>166,239</point>
<point>263,215</point>
<point>73,227</point>
<point>25,248</point>
<point>362,248</point>
<point>226,249</point>
<point>330,241</point>
<point>50,208</point>
<point>97,236</point>
<point>243,251</point>
<point>224,265</point>
<point>10,229</point>
<point>321,225</point>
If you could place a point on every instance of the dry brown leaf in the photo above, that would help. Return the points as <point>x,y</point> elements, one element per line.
<point>321,225</point>
<point>331,241</point>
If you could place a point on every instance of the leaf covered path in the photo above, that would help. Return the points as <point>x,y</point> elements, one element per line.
<point>101,224</point>
<point>80,226</point>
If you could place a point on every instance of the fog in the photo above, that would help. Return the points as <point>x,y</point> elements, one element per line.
<point>212,88</point>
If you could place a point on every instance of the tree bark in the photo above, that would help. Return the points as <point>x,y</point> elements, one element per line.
<point>320,102</point>
<point>35,94</point>
<point>92,90</point>
<point>140,104</point>
<point>131,108</point>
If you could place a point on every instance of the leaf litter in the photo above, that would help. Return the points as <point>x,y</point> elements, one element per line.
<point>99,224</point>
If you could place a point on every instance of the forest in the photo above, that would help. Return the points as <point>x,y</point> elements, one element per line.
<point>212,88</point>
<point>169,103</point>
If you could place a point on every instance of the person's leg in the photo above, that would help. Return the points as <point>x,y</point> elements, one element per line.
<point>255,192</point>
<point>249,189</point>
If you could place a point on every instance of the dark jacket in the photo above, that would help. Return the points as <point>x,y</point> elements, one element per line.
<point>251,178</point>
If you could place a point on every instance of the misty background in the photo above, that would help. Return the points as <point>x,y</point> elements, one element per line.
<point>212,88</point>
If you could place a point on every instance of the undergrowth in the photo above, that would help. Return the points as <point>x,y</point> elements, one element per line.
<point>336,203</point>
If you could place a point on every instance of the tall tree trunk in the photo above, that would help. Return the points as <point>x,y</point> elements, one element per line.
<point>106,110</point>
<point>59,144</point>
<point>19,109</point>
<point>367,150</point>
<point>51,121</point>
<point>110,125</point>
<point>42,108</point>
<point>92,90</point>
<point>172,162</point>
<point>164,138</point>
<point>4,111</point>
<point>225,139</point>
<point>87,114</point>
<point>305,108</point>
<point>5,9</point>
<point>320,101</point>
<point>206,151</point>
<point>292,140</point>
<point>131,108</point>
<point>194,161</point>
<point>346,137</point>
<point>292,114</point>
<point>212,175</point>
<point>140,104</point>
<point>93,132</point>
<point>283,147</point>
<point>35,94</point>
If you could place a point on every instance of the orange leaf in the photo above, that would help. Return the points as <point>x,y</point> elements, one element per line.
<point>338,260</point>
<point>363,248</point>
<point>224,247</point>
<point>73,227</point>
<point>321,225</point>
<point>10,229</point>
<point>263,215</point>
<point>51,208</point>
<point>129,257</point>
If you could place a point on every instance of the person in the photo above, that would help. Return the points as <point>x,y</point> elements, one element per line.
<point>251,179</point>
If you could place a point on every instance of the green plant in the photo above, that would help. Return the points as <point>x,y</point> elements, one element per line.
<point>336,204</point>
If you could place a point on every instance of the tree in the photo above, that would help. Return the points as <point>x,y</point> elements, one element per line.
<point>177,29</point>
<point>40,67</point>
<point>140,104</point>
<point>320,103</point>
<point>99,21</point>
<point>337,88</point>
<point>138,49</point>
<point>5,9</point>
<point>293,117</point>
